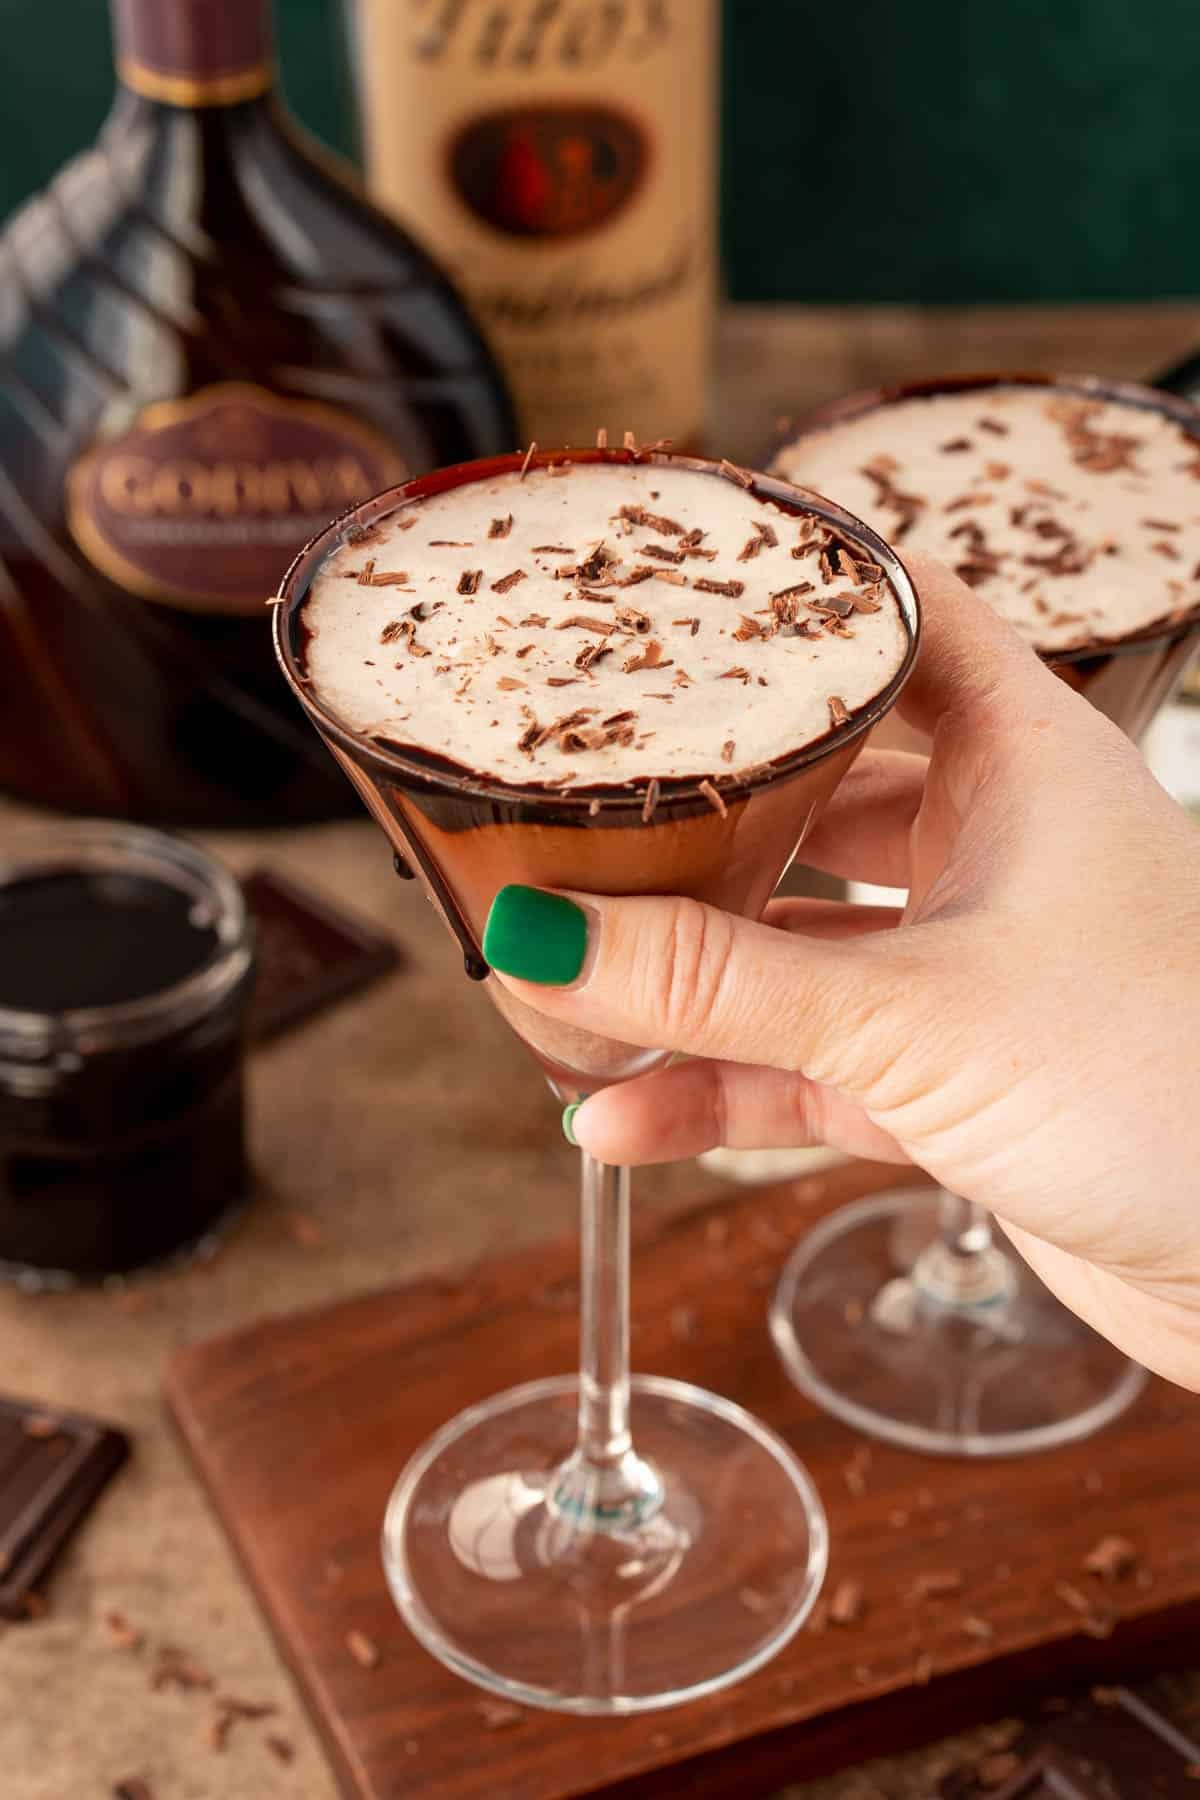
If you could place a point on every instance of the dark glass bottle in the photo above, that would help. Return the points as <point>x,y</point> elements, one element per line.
<point>210,344</point>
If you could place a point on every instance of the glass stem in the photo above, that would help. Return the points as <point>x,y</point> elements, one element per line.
<point>604,1484</point>
<point>964,1266</point>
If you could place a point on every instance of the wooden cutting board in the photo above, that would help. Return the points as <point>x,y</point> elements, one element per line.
<point>300,1425</point>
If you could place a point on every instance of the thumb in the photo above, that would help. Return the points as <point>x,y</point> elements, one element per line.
<point>674,974</point>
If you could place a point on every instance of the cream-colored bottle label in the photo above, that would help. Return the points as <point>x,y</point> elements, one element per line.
<point>558,157</point>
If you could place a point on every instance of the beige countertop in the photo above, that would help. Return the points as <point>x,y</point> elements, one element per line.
<point>377,1164</point>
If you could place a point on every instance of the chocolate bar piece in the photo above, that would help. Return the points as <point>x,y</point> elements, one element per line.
<point>310,953</point>
<point>52,1468</point>
<point>1110,1747</point>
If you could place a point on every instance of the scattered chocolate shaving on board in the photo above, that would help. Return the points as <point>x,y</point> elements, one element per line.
<point>838,714</point>
<point>500,528</point>
<point>529,456</point>
<point>650,802</point>
<point>714,799</point>
<point>1112,1559</point>
<point>847,1606</point>
<point>469,580</point>
<point>979,1629</point>
<point>936,1584</point>
<point>122,1634</point>
<point>507,582</point>
<point>638,515</point>
<point>733,589</point>
<point>363,1649</point>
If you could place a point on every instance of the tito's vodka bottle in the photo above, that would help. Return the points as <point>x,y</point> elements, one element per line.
<point>209,345</point>
<point>559,157</point>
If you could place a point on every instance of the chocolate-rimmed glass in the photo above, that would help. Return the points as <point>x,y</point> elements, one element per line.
<point>597,1543</point>
<point>904,1314</point>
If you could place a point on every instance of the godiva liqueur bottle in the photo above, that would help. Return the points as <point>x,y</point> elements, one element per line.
<point>210,344</point>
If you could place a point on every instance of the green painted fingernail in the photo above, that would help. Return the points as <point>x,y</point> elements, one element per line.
<point>568,1122</point>
<point>535,936</point>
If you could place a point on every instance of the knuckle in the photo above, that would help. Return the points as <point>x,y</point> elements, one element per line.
<point>690,973</point>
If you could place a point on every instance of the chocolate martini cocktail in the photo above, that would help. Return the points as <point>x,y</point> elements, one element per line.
<point>622,672</point>
<point>1072,505</point>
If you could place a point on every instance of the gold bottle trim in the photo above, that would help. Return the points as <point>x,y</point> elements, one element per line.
<point>192,90</point>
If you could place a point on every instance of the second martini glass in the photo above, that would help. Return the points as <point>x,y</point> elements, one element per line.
<point>904,1314</point>
<point>597,1543</point>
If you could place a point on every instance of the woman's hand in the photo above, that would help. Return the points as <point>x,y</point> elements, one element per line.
<point>1028,1030</point>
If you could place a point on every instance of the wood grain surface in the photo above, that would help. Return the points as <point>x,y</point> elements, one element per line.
<point>972,1576</point>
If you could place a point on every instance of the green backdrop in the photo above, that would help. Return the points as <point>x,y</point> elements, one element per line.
<point>935,150</point>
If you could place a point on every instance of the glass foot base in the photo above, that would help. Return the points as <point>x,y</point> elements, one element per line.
<point>501,1573</point>
<point>1013,1373</point>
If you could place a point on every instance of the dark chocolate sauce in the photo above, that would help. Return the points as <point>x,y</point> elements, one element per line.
<point>85,939</point>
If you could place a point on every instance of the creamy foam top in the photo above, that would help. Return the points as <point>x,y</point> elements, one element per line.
<point>1077,519</point>
<point>609,623</point>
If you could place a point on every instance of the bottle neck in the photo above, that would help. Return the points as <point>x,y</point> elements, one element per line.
<point>194,53</point>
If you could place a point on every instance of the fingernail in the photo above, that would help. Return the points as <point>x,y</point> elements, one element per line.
<point>568,1122</point>
<point>535,936</point>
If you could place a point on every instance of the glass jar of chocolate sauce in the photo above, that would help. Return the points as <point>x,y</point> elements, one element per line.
<point>126,964</point>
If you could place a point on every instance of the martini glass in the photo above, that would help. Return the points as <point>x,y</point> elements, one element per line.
<point>904,1314</point>
<point>595,1543</point>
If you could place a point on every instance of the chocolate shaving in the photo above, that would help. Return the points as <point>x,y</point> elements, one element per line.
<point>956,444</point>
<point>586,737</point>
<point>907,507</point>
<point>581,622</point>
<point>638,515</point>
<point>450,544</point>
<point>590,655</point>
<point>1161,525</point>
<point>748,629</point>
<point>735,674</point>
<point>385,577</point>
<point>394,629</point>
<point>994,426</point>
<point>838,714</point>
<point>847,566</point>
<point>732,472</point>
<point>558,681</point>
<point>727,750</point>
<point>500,528</point>
<point>636,575</point>
<point>595,596</point>
<point>507,582</point>
<point>529,456</point>
<point>534,619</point>
<point>661,553</point>
<point>797,588</point>
<point>630,619</point>
<point>553,550</point>
<point>650,658</point>
<point>1112,1559</point>
<point>469,580</point>
<point>596,564</point>
<point>650,802</point>
<point>838,606</point>
<point>362,1648</point>
<point>847,1606</point>
<point>861,604</point>
<point>1163,548</point>
<point>509,684</point>
<point>619,718</point>
<point>734,589</point>
<point>997,471</point>
<point>751,548</point>
<point>714,799</point>
<point>936,1585</point>
<point>828,572</point>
